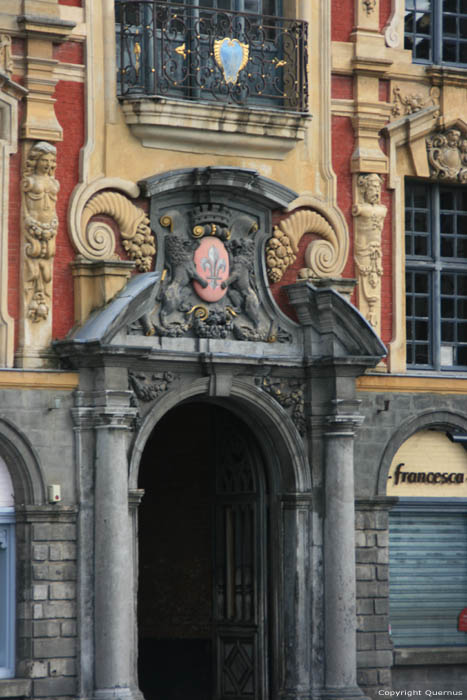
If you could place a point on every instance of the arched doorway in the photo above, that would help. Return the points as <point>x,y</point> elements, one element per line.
<point>202,601</point>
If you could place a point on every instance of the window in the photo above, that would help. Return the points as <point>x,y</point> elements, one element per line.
<point>436,276</point>
<point>229,51</point>
<point>427,574</point>
<point>436,30</point>
<point>7,575</point>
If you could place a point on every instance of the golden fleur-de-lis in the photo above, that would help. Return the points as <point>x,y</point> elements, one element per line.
<point>278,63</point>
<point>137,52</point>
<point>181,50</point>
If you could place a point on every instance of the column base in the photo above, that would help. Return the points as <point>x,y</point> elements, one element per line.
<point>117,694</point>
<point>346,693</point>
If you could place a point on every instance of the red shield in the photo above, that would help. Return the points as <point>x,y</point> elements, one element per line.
<point>212,265</point>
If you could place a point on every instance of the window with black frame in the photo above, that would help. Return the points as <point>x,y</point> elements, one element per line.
<point>436,31</point>
<point>239,52</point>
<point>436,275</point>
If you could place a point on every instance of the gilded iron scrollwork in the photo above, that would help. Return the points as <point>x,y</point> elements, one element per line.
<point>289,393</point>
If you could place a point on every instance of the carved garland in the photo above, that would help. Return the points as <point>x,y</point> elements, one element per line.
<point>137,238</point>
<point>147,390</point>
<point>322,256</point>
<point>289,393</point>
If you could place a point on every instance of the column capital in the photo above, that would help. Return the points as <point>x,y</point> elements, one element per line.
<point>342,425</point>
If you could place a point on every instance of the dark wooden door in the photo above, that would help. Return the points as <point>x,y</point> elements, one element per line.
<point>239,616</point>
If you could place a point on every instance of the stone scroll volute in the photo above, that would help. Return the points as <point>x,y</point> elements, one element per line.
<point>135,231</point>
<point>324,256</point>
<point>369,215</point>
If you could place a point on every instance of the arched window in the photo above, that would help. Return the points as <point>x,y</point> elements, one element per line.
<point>7,574</point>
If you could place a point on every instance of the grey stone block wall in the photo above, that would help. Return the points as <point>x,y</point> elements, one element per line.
<point>47,626</point>
<point>374,646</point>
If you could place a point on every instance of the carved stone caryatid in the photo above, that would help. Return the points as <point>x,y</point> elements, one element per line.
<point>6,60</point>
<point>369,218</point>
<point>135,231</point>
<point>447,155</point>
<point>323,256</point>
<point>40,224</point>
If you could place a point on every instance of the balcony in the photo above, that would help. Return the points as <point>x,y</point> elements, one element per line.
<point>241,75</point>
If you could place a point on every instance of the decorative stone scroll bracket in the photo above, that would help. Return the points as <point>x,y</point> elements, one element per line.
<point>325,256</point>
<point>135,231</point>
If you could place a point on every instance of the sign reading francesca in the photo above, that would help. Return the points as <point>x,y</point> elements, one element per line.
<point>428,464</point>
<point>402,477</point>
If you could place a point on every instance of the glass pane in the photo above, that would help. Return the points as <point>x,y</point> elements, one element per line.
<point>450,26</point>
<point>449,52</point>
<point>447,308</point>
<point>420,221</point>
<point>462,332</point>
<point>447,284</point>
<point>447,331</point>
<point>463,6</point>
<point>462,285</point>
<point>421,282</point>
<point>421,330</point>
<point>461,251</point>
<point>421,354</point>
<point>463,52</point>
<point>462,356</point>
<point>447,248</point>
<point>420,196</point>
<point>421,307</point>
<point>420,245</point>
<point>449,5</point>
<point>447,223</point>
<point>446,199</point>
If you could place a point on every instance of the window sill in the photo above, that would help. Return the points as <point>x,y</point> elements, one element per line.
<point>15,688</point>
<point>430,656</point>
<point>181,125</point>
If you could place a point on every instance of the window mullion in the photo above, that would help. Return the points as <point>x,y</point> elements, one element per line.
<point>437,30</point>
<point>436,278</point>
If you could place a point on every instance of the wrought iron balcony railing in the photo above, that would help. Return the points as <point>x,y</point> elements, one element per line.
<point>167,49</point>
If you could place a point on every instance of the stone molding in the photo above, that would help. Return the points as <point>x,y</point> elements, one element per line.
<point>179,125</point>
<point>394,28</point>
<point>10,94</point>
<point>369,215</point>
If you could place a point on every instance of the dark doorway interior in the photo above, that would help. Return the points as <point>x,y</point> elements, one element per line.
<point>195,643</point>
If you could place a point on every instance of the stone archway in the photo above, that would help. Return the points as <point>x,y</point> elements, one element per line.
<point>202,598</point>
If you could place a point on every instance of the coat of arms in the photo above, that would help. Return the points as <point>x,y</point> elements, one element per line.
<point>231,57</point>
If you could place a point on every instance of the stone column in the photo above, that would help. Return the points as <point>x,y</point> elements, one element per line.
<point>113,590</point>
<point>339,559</point>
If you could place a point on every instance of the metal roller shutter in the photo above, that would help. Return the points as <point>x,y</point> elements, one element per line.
<point>428,577</point>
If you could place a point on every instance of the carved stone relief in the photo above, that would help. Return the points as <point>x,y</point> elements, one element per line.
<point>447,155</point>
<point>369,215</point>
<point>289,393</point>
<point>413,102</point>
<point>6,60</point>
<point>322,255</point>
<point>149,389</point>
<point>369,6</point>
<point>40,224</point>
<point>209,287</point>
<point>137,238</point>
